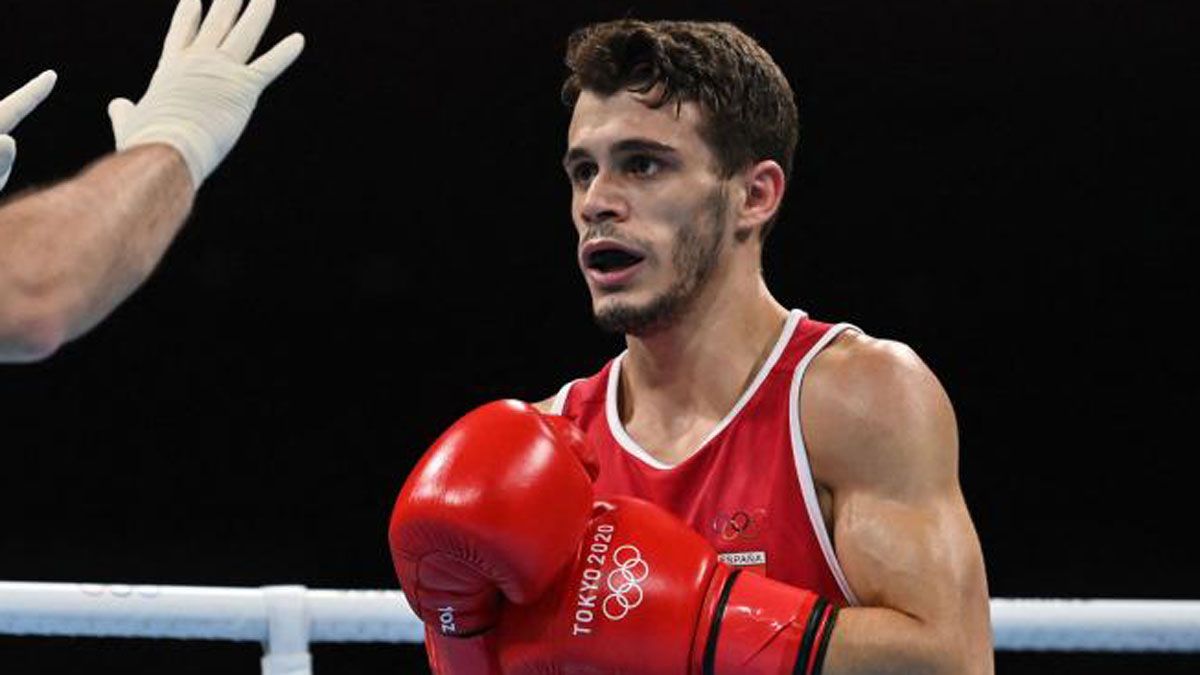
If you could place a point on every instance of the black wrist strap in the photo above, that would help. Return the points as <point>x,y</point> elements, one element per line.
<point>710,649</point>
<point>816,638</point>
<point>816,633</point>
<point>819,662</point>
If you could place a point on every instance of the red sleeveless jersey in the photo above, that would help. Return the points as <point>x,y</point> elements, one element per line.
<point>748,489</point>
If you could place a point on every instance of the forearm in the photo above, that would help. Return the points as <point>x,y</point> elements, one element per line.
<point>881,641</point>
<point>69,254</point>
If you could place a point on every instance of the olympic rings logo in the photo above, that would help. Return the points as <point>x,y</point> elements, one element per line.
<point>624,582</point>
<point>737,525</point>
<point>740,525</point>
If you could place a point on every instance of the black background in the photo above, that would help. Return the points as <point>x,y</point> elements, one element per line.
<point>1005,186</point>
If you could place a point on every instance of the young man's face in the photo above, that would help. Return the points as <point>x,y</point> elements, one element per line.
<point>649,207</point>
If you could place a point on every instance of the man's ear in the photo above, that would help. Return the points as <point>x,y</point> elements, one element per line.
<point>763,184</point>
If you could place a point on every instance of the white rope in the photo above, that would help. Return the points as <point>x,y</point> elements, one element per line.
<point>1097,625</point>
<point>384,616</point>
<point>198,613</point>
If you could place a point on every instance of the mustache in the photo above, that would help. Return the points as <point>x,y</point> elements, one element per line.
<point>607,230</point>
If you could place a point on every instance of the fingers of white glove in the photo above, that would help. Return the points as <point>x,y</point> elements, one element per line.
<point>8,152</point>
<point>184,24</point>
<point>119,110</point>
<point>249,30</point>
<point>21,102</point>
<point>221,16</point>
<point>274,62</point>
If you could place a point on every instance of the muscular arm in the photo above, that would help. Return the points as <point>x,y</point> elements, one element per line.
<point>71,253</point>
<point>883,441</point>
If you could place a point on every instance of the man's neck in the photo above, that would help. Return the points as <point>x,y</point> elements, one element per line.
<point>700,365</point>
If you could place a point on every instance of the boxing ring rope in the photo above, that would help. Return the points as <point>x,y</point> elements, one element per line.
<point>285,619</point>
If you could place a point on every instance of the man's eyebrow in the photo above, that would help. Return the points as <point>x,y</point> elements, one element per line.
<point>574,154</point>
<point>625,146</point>
<point>642,145</point>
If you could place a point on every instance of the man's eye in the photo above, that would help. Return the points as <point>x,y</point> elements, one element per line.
<point>582,173</point>
<point>642,165</point>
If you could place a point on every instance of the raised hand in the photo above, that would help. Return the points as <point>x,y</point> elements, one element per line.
<point>13,109</point>
<point>202,94</point>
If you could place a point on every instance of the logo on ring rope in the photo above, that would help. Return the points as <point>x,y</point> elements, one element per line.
<point>624,582</point>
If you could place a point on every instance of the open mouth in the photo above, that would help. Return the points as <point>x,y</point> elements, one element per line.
<point>608,259</point>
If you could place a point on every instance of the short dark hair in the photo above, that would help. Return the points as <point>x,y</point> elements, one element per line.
<point>748,110</point>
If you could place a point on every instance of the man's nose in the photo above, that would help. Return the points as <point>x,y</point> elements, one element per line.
<point>603,201</point>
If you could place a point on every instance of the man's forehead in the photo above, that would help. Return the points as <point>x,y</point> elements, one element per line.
<point>603,120</point>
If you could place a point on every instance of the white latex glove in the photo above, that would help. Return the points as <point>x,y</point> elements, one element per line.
<point>201,96</point>
<point>13,109</point>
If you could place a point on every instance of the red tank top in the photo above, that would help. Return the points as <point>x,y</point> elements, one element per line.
<point>748,489</point>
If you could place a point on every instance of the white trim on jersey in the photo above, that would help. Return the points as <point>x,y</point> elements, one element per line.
<point>808,486</point>
<point>631,446</point>
<point>560,399</point>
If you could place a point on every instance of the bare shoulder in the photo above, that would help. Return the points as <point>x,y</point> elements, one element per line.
<point>873,412</point>
<point>545,406</point>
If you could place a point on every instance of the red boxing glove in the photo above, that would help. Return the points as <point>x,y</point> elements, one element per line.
<point>495,506</point>
<point>647,595</point>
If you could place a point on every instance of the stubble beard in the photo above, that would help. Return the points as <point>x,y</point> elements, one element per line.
<point>694,256</point>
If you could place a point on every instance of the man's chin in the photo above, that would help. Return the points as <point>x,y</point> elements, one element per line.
<point>638,320</point>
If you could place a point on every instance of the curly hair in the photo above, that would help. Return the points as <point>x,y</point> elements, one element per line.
<point>748,110</point>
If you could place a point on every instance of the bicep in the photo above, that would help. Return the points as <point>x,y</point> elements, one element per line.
<point>901,525</point>
<point>901,528</point>
<point>918,574</point>
<point>883,442</point>
<point>920,557</point>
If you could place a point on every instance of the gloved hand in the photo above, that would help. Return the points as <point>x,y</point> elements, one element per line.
<point>201,96</point>
<point>647,595</point>
<point>496,506</point>
<point>514,569</point>
<point>13,109</point>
